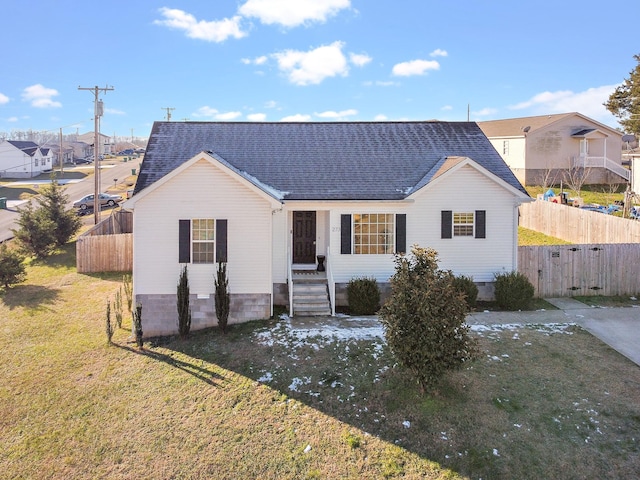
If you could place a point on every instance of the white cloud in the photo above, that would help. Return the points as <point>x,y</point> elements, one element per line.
<point>589,103</point>
<point>415,67</point>
<point>380,118</point>
<point>40,96</point>
<point>485,112</point>
<point>214,31</point>
<point>447,108</point>
<point>337,115</point>
<point>380,83</point>
<point>291,13</point>
<point>359,60</point>
<point>257,117</point>
<point>255,61</point>
<point>214,114</point>
<point>312,67</point>
<point>3,99</point>
<point>271,104</point>
<point>114,111</point>
<point>12,119</point>
<point>298,117</point>
<point>439,53</point>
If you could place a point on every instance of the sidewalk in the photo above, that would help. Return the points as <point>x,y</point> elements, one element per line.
<point>617,327</point>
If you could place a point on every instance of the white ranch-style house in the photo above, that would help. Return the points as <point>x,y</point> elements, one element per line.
<point>24,159</point>
<point>297,210</point>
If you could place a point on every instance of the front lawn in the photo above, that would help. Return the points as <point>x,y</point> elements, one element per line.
<point>282,399</point>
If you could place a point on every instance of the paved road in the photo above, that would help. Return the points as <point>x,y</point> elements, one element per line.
<point>109,171</point>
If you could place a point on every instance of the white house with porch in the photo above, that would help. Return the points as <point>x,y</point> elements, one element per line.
<point>544,149</point>
<point>296,210</point>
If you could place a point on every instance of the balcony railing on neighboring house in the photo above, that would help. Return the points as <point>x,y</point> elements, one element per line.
<point>602,162</point>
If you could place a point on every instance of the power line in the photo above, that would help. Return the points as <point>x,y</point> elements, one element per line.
<point>98,110</point>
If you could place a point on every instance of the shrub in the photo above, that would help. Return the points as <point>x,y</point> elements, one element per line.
<point>12,269</point>
<point>468,287</point>
<point>137,325</point>
<point>128,291</point>
<point>117,306</point>
<point>424,319</point>
<point>363,295</point>
<point>222,297</point>
<point>513,291</point>
<point>108,324</point>
<point>184,312</point>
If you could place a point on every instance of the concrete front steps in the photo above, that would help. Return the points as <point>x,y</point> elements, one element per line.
<point>310,295</point>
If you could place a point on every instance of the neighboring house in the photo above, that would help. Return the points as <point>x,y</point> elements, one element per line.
<point>23,159</point>
<point>270,198</point>
<point>105,143</point>
<point>543,150</point>
<point>632,158</point>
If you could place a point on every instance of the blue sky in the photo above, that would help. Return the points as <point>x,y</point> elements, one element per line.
<point>307,60</point>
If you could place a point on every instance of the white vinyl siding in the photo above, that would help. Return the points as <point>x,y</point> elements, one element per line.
<point>203,191</point>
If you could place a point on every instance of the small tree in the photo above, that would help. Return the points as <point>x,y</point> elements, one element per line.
<point>108,324</point>
<point>184,312</point>
<point>128,291</point>
<point>222,297</point>
<point>137,325</point>
<point>48,226</point>
<point>117,306</point>
<point>576,177</point>
<point>424,319</point>
<point>12,269</point>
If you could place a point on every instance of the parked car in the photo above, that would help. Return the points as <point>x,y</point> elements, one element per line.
<point>105,200</point>
<point>128,151</point>
<point>82,161</point>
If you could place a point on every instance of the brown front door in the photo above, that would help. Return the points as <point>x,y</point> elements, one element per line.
<point>304,237</point>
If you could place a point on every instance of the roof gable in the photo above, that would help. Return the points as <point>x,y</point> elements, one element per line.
<point>27,147</point>
<point>518,127</point>
<point>323,161</point>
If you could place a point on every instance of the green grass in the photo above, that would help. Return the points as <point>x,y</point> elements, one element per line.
<point>527,237</point>
<point>265,402</point>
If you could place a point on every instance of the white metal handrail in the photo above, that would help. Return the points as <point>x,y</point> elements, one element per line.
<point>331,285</point>
<point>603,162</point>
<point>290,281</point>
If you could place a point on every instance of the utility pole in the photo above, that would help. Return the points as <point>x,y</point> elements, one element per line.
<point>98,110</point>
<point>168,109</point>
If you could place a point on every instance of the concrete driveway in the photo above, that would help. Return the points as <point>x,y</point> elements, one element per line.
<point>617,327</point>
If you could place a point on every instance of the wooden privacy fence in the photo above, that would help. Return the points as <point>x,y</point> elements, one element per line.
<point>576,225</point>
<point>586,269</point>
<point>108,246</point>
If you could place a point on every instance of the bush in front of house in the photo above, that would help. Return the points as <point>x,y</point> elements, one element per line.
<point>108,325</point>
<point>467,286</point>
<point>513,291</point>
<point>363,295</point>
<point>424,319</point>
<point>137,325</point>
<point>182,303</point>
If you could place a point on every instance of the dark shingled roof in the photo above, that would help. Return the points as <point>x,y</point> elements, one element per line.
<point>27,147</point>
<point>325,161</point>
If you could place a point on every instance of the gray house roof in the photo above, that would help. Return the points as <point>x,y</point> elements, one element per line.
<point>325,161</point>
<point>27,147</point>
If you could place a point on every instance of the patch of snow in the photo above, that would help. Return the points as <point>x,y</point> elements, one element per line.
<point>307,449</point>
<point>495,452</point>
<point>406,424</point>
<point>267,377</point>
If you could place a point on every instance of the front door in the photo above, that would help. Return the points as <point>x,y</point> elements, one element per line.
<point>304,237</point>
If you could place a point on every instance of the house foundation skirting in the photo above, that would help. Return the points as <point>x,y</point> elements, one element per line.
<point>160,313</point>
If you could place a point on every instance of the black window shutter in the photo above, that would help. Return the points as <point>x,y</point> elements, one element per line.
<point>221,241</point>
<point>184,241</point>
<point>481,224</point>
<point>446,227</point>
<point>345,234</point>
<point>401,233</point>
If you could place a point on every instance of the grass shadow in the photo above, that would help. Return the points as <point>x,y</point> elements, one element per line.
<point>32,297</point>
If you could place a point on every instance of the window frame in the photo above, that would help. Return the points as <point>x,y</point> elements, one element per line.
<point>198,256</point>
<point>464,224</point>
<point>370,230</point>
